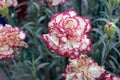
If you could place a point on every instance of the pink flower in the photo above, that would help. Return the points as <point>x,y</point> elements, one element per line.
<point>108,76</point>
<point>55,2</point>
<point>82,68</point>
<point>68,34</point>
<point>9,3</point>
<point>10,38</point>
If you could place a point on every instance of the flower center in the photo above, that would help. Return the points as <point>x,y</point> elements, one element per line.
<point>69,24</point>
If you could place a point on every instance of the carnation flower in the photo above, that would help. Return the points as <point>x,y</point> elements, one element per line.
<point>108,76</point>
<point>10,38</point>
<point>9,3</point>
<point>68,34</point>
<point>82,68</point>
<point>55,2</point>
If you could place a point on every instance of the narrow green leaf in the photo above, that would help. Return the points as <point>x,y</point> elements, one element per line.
<point>42,66</point>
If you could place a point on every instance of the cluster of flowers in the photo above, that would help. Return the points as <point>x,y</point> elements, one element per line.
<point>10,38</point>
<point>68,35</point>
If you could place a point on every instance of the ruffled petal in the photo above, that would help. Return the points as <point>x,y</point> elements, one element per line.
<point>10,38</point>
<point>82,68</point>
<point>68,34</point>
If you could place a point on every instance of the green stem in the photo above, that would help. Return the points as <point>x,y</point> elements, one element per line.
<point>56,9</point>
<point>79,4</point>
<point>107,52</point>
<point>60,8</point>
<point>34,71</point>
<point>101,9</point>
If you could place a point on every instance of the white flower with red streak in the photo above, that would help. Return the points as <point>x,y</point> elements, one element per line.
<point>108,76</point>
<point>9,3</point>
<point>68,34</point>
<point>82,68</point>
<point>10,38</point>
<point>55,2</point>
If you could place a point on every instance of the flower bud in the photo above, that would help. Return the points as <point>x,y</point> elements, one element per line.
<point>110,29</point>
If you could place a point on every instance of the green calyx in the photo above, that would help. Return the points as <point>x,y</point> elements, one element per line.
<point>110,29</point>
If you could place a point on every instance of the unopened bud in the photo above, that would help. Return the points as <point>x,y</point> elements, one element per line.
<point>110,29</point>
